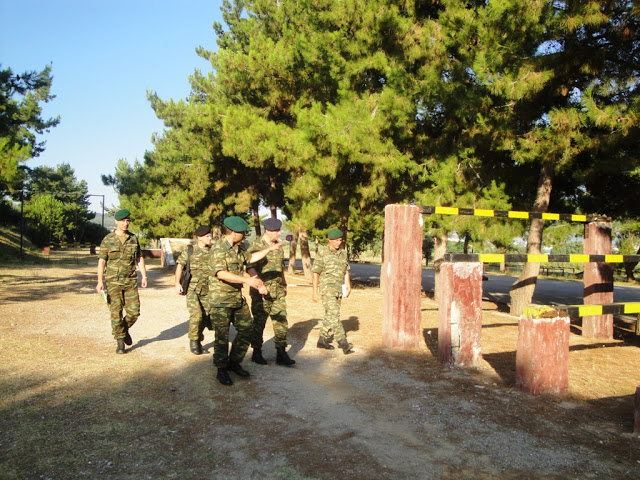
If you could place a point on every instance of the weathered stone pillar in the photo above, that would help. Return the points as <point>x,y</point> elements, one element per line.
<point>460,314</point>
<point>402,277</point>
<point>542,358</point>
<point>598,279</point>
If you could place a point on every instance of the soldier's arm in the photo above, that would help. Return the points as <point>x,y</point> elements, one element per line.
<point>347,282</point>
<point>315,279</point>
<point>100,284</point>
<point>179,268</point>
<point>143,270</point>
<point>257,256</point>
<point>253,282</point>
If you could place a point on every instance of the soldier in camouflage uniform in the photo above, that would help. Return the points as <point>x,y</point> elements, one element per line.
<point>119,254</point>
<point>271,271</point>
<point>198,290</point>
<point>330,271</point>
<point>228,260</point>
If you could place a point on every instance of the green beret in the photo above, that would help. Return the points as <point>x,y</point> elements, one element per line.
<point>122,214</point>
<point>334,233</point>
<point>236,224</point>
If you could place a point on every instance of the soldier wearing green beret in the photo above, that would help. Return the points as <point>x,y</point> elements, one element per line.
<point>330,272</point>
<point>198,291</point>
<point>229,258</point>
<point>119,254</point>
<point>271,271</point>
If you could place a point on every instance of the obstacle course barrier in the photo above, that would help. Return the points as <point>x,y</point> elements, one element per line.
<point>479,212</point>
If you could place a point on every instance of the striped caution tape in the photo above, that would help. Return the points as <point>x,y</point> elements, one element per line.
<point>606,309</point>
<point>478,212</point>
<point>538,258</point>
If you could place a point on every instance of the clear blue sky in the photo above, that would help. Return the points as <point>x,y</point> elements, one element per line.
<point>105,55</point>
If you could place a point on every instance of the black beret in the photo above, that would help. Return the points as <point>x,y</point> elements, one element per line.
<point>272,224</point>
<point>202,230</point>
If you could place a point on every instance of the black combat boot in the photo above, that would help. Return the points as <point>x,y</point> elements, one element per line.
<point>256,357</point>
<point>238,370</point>
<point>282,357</point>
<point>324,342</point>
<point>120,348</point>
<point>223,377</point>
<point>127,338</point>
<point>195,346</point>
<point>345,346</point>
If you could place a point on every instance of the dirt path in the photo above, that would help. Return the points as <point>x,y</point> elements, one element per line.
<point>71,408</point>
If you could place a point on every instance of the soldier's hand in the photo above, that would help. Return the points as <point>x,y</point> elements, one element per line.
<point>179,289</point>
<point>314,297</point>
<point>276,246</point>
<point>144,282</point>
<point>99,287</point>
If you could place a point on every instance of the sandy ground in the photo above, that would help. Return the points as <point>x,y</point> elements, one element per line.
<point>71,408</point>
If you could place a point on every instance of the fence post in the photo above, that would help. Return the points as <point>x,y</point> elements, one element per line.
<point>460,314</point>
<point>598,278</point>
<point>402,277</point>
<point>542,358</point>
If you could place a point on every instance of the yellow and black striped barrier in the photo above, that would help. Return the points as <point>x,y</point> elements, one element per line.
<point>606,309</point>
<point>538,258</point>
<point>478,212</point>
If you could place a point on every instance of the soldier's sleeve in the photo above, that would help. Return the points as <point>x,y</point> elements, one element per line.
<point>254,247</point>
<point>104,249</point>
<point>138,249</point>
<point>218,261</point>
<point>318,263</point>
<point>182,259</point>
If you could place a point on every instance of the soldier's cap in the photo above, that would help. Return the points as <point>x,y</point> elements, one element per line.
<point>272,224</point>
<point>334,233</point>
<point>122,214</point>
<point>202,230</point>
<point>236,224</point>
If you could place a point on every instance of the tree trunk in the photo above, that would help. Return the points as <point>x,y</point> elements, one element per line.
<point>439,249</point>
<point>255,206</point>
<point>293,247</point>
<point>522,290</point>
<point>305,254</point>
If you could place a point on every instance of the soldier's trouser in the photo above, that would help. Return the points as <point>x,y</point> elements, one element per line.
<point>198,308</point>
<point>331,321</point>
<point>261,308</point>
<point>123,297</point>
<point>222,318</point>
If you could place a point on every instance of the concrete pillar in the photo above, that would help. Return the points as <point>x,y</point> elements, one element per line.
<point>542,358</point>
<point>402,277</point>
<point>460,314</point>
<point>598,279</point>
<point>636,416</point>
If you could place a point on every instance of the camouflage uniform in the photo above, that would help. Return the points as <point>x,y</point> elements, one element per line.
<point>121,280</point>
<point>198,292</point>
<point>331,265</point>
<point>270,270</point>
<point>228,305</point>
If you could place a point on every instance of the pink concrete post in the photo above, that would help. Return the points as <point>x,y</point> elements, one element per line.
<point>598,279</point>
<point>402,277</point>
<point>636,416</point>
<point>460,314</point>
<point>542,358</point>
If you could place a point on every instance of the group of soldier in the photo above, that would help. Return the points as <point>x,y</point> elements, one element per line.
<point>214,293</point>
